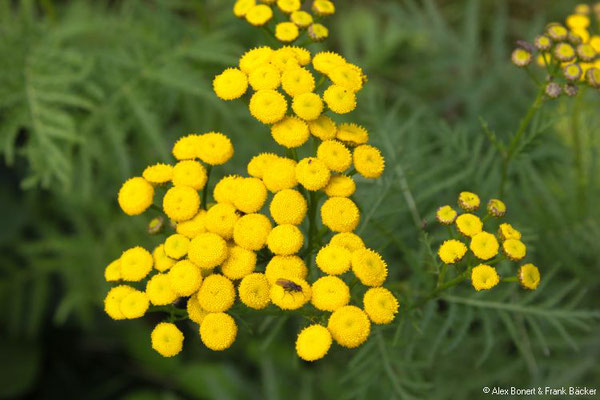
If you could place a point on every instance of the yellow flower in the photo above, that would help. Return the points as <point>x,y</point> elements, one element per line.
<point>251,195</point>
<point>241,7</point>
<point>586,52</point>
<point>352,134</point>
<point>251,231</point>
<point>340,186</point>
<point>185,278</point>
<point>258,164</point>
<point>446,215</point>
<point>254,291</point>
<point>162,262</point>
<point>529,276</point>
<point>595,43</point>
<point>268,106</point>
<point>181,203</point>
<point>195,312</point>
<point>335,155</point>
<point>136,263</point>
<point>215,148</point>
<point>280,175</point>
<point>297,81</point>
<point>468,201</point>
<point>112,272</point>
<point>323,127</point>
<point>112,301</point>
<point>557,32</point>
<point>259,15</point>
<point>193,227</point>
<point>167,340</point>
<point>592,76</point>
<point>317,32</point>
<point>218,331</point>
<point>323,8</point>
<point>369,267</point>
<point>255,58</point>
<point>339,99</point>
<point>176,246</point>
<point>348,240</point>
<point>307,106</point>
<point>578,21</point>
<point>302,55</point>
<point>521,57</point>
<point>572,72</point>
<point>506,231</point>
<point>312,173</point>
<point>134,305</point>
<point>514,249</point>
<point>368,161</point>
<point>346,76</point>
<point>189,173</point>
<point>287,299</point>
<point>334,259</point>
<point>216,294</point>
<point>469,224</point>
<point>239,263</point>
<point>288,6</point>
<point>287,267</point>
<point>301,18</point>
<point>158,173</point>
<point>221,219</point>
<point>186,147</point>
<point>313,342</point>
<point>329,293</point>
<point>288,207</point>
<point>159,290</point>
<point>285,58</point>
<point>226,189</point>
<point>135,196</point>
<point>452,251</point>
<point>349,326</point>
<point>484,277</point>
<point>265,77</point>
<point>230,84</point>
<point>484,245</point>
<point>340,214</point>
<point>285,240</point>
<point>290,132</point>
<point>496,208</point>
<point>380,305</point>
<point>286,32</point>
<point>564,52</point>
<point>207,250</point>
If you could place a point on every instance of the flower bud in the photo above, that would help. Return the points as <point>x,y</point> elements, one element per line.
<point>553,90</point>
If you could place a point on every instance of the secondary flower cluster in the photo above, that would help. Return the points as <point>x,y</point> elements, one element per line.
<point>486,247</point>
<point>569,53</point>
<point>261,12</point>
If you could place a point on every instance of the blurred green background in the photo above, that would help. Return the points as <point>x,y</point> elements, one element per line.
<point>93,91</point>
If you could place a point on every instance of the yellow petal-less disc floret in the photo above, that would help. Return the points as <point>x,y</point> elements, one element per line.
<point>577,21</point>
<point>469,224</point>
<point>452,251</point>
<point>339,99</point>
<point>268,106</point>
<point>446,215</point>
<point>134,305</point>
<point>241,7</point>
<point>251,195</point>
<point>207,250</point>
<point>335,155</point>
<point>221,219</point>
<point>368,161</point>
<point>265,77</point>
<point>346,76</point>
<point>215,148</point>
<point>295,81</point>
<point>167,340</point>
<point>307,106</point>
<point>329,293</point>
<point>521,57</point>
<point>312,173</point>
<point>514,249</point>
<point>216,294</point>
<point>506,231</point>
<point>557,32</point>
<point>181,203</point>
<point>301,18</point>
<point>162,261</point>
<point>226,189</point>
<point>239,263</point>
<point>135,196</point>
<point>349,326</point>
<point>564,52</point>
<point>348,240</point>
<point>352,134</point>
<point>193,227</point>
<point>285,240</point>
<point>185,278</point>
<point>255,58</point>
<point>285,58</point>
<point>186,147</point>
<point>484,277</point>
<point>176,246</point>
<point>189,173</point>
<point>334,259</point>
<point>251,231</point>
<point>380,305</point>
<point>369,267</point>
<point>112,272</point>
<point>287,267</point>
<point>288,6</point>
<point>280,175</point>
<point>218,331</point>
<point>290,299</point>
<point>340,186</point>
<point>340,214</point>
<point>323,8</point>
<point>136,263</point>
<point>529,276</point>
<point>259,15</point>
<point>159,290</point>
<point>302,55</point>
<point>286,32</point>
<point>313,342</point>
<point>496,208</point>
<point>258,164</point>
<point>484,245</point>
<point>468,201</point>
<point>112,301</point>
<point>158,173</point>
<point>317,32</point>
<point>254,291</point>
<point>195,312</point>
<point>230,84</point>
<point>290,132</point>
<point>323,127</point>
<point>288,207</point>
<point>326,61</point>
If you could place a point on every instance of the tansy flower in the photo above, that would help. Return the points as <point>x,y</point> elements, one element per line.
<point>251,195</point>
<point>195,312</point>
<point>136,263</point>
<point>352,134</point>
<point>135,196</point>
<point>312,173</point>
<point>542,42</point>
<point>288,207</point>
<point>186,147</point>
<point>181,203</point>
<point>112,301</point>
<point>323,127</point>
<point>286,32</point>
<point>226,189</point>
<point>301,18</point>
<point>287,267</point>
<point>468,201</point>
<point>484,245</point>
<point>339,99</point>
<point>521,57</point>
<point>288,6</point>
<point>506,231</point>
<point>577,21</point>
<point>564,52</point>
<point>334,259</point>
<point>446,215</point>
<point>349,326</point>
<point>215,148</point>
<point>553,90</point>
<point>268,106</point>
<point>340,186</point>
<point>572,72</point>
<point>571,89</point>
<point>368,161</point>
<point>326,61</point>
<point>155,225</point>
<point>241,7</point>
<point>285,58</point>
<point>329,293</point>
<point>340,214</point>
<point>484,277</point>
<point>592,76</point>
<point>302,55</point>
<point>239,263</point>
<point>307,106</point>
<point>514,249</point>
<point>290,132</point>
<point>251,231</point>
<point>218,331</point>
<point>323,8</point>
<point>285,240</point>
<point>265,77</point>
<point>159,290</point>
<point>369,267</point>
<point>317,32</point>
<point>313,342</point>
<point>167,340</point>
<point>335,155</point>
<point>290,299</point>
<point>346,76</point>
<point>259,15</point>
<point>496,208</point>
<point>586,52</point>
<point>185,278</point>
<point>221,219</point>
<point>189,173</point>
<point>134,305</point>
<point>255,58</point>
<point>258,164</point>
<point>295,81</point>
<point>380,305</point>
<point>529,276</point>
<point>207,250</point>
<point>230,84</point>
<point>348,240</point>
<point>112,272</point>
<point>193,227</point>
<point>162,262</point>
<point>216,294</point>
<point>557,32</point>
<point>452,251</point>
<point>176,246</point>
<point>280,175</point>
<point>254,291</point>
<point>469,224</point>
<point>158,173</point>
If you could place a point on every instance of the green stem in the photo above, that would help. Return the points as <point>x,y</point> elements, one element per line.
<point>440,288</point>
<point>312,213</point>
<point>578,150</point>
<point>442,275</point>
<point>510,279</point>
<point>205,191</point>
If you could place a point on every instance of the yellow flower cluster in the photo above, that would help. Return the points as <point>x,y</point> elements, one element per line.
<point>295,18</point>
<point>486,247</point>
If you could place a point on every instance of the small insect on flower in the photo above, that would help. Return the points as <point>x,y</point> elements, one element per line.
<point>288,286</point>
